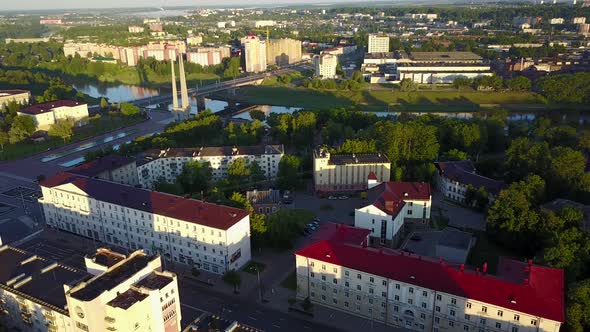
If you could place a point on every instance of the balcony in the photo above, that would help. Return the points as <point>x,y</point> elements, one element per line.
<point>110,320</point>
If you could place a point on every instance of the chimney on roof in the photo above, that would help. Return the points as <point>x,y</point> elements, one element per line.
<point>484,269</point>
<point>462,267</point>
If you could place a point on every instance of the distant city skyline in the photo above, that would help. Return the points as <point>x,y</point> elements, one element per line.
<point>66,4</point>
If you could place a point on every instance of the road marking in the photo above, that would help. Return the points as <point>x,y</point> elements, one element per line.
<point>191,307</point>
<point>252,318</point>
<point>274,325</point>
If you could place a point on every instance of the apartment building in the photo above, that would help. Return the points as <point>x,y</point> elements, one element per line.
<point>208,56</point>
<point>325,65</point>
<point>112,168</point>
<point>206,236</point>
<point>454,177</point>
<point>168,164</point>
<point>347,172</point>
<point>164,50</point>
<point>47,114</point>
<point>378,43</point>
<point>284,51</point>
<point>423,294</point>
<point>264,201</point>
<point>115,293</point>
<point>392,205</point>
<point>20,97</point>
<point>255,60</point>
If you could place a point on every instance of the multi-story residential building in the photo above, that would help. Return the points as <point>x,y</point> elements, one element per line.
<point>264,23</point>
<point>115,293</point>
<point>168,164</point>
<point>264,201</point>
<point>579,20</point>
<point>20,97</point>
<point>112,168</point>
<point>203,235</point>
<point>208,56</point>
<point>194,40</point>
<point>284,51</point>
<point>454,177</point>
<point>47,114</point>
<point>325,65</point>
<point>135,29</point>
<point>393,204</point>
<point>378,43</point>
<point>255,60</point>
<point>423,294</point>
<point>164,50</point>
<point>347,172</point>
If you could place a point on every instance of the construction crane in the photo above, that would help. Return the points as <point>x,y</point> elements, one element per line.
<point>267,30</point>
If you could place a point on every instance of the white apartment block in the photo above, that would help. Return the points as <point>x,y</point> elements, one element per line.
<point>168,164</point>
<point>116,293</point>
<point>393,204</point>
<point>420,294</point>
<point>47,114</point>
<point>325,65</point>
<point>206,236</point>
<point>254,54</point>
<point>454,177</point>
<point>347,172</point>
<point>112,168</point>
<point>378,43</point>
<point>20,97</point>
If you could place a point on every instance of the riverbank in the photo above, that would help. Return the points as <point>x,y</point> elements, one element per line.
<point>383,100</point>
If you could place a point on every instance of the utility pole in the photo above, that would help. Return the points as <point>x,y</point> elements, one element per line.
<point>259,285</point>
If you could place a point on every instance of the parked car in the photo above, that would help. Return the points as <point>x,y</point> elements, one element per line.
<point>332,197</point>
<point>316,219</point>
<point>343,197</point>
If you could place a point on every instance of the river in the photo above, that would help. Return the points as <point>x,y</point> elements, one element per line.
<point>121,92</point>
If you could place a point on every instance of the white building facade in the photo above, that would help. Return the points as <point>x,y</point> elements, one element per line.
<point>325,65</point>
<point>393,204</point>
<point>419,294</point>
<point>378,43</point>
<point>47,114</point>
<point>254,54</point>
<point>168,164</point>
<point>203,235</point>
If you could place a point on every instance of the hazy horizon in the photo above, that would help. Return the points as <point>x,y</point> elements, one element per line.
<point>84,4</point>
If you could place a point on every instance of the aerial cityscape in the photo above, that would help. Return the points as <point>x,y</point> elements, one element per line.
<point>201,166</point>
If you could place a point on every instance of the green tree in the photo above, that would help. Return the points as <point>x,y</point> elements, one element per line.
<point>518,83</point>
<point>257,115</point>
<point>578,306</point>
<point>22,127</point>
<point>462,82</point>
<point>238,170</point>
<point>358,146</point>
<point>453,155</point>
<point>233,278</point>
<point>240,201</point>
<point>256,172</point>
<point>304,124</point>
<point>288,175</point>
<point>103,103</point>
<point>62,128</point>
<point>408,84</point>
<point>195,177</point>
<point>128,109</point>
<point>232,67</point>
<point>4,138</point>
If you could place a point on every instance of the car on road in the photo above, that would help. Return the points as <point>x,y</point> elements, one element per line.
<point>332,197</point>
<point>316,219</point>
<point>416,238</point>
<point>343,197</point>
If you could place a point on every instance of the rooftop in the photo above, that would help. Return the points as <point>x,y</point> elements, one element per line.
<point>445,56</point>
<point>341,233</point>
<point>155,281</point>
<point>4,93</point>
<point>536,290</point>
<point>107,163</point>
<point>126,299</point>
<point>464,172</point>
<point>190,210</point>
<point>358,158</point>
<point>211,151</point>
<point>271,196</point>
<point>112,277</point>
<point>48,107</point>
<point>106,257</point>
<point>389,197</point>
<point>47,279</point>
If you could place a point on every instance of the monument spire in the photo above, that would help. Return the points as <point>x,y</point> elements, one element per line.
<point>183,90</point>
<point>174,91</point>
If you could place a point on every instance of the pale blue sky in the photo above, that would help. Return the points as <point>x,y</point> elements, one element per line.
<point>65,4</point>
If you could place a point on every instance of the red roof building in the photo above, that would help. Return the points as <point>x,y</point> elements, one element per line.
<point>522,295</point>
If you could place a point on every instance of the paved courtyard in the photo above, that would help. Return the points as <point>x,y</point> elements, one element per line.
<point>459,217</point>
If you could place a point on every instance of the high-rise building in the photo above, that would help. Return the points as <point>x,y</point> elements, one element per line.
<point>378,43</point>
<point>325,65</point>
<point>115,293</point>
<point>284,51</point>
<point>254,54</point>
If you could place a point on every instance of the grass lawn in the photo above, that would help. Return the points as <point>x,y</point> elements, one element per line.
<point>105,124</point>
<point>252,267</point>
<point>379,100</point>
<point>487,251</point>
<point>290,282</point>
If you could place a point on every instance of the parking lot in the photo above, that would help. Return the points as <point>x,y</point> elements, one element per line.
<point>333,210</point>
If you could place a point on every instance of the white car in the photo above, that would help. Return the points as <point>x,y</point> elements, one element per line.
<point>332,197</point>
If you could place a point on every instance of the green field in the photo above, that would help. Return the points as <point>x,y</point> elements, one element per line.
<point>379,100</point>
